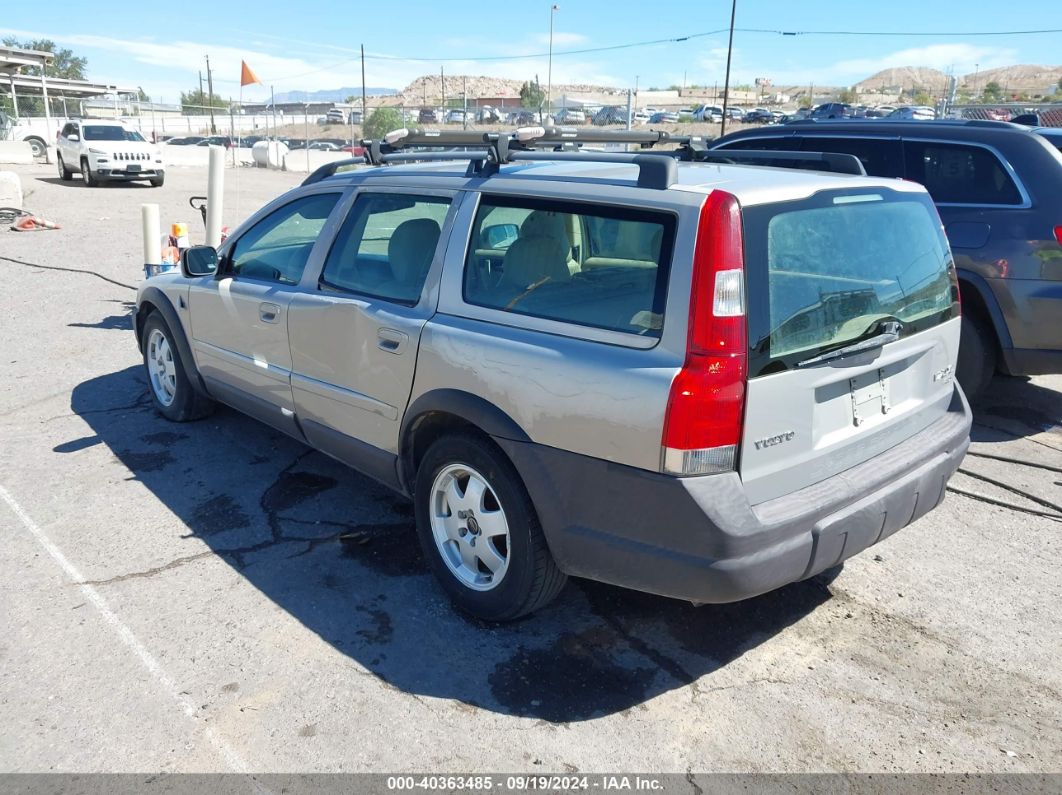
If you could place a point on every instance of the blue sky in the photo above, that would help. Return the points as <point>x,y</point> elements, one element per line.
<point>308,46</point>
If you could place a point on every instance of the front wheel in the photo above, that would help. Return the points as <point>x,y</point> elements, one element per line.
<point>156,182</point>
<point>64,172</point>
<point>86,174</point>
<point>171,388</point>
<point>480,532</point>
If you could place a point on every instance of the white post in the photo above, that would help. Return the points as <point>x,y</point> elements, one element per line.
<point>215,194</point>
<point>152,229</point>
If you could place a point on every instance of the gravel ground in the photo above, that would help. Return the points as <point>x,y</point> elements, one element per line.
<point>178,598</point>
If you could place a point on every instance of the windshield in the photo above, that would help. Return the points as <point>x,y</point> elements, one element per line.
<point>109,132</point>
<point>835,266</point>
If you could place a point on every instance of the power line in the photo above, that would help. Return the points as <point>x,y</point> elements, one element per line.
<point>654,42</point>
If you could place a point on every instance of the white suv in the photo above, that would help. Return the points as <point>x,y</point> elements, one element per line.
<point>107,150</point>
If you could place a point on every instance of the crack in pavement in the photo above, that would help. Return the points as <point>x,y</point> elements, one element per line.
<point>137,575</point>
<point>142,402</point>
<point>1013,490</point>
<point>973,495</point>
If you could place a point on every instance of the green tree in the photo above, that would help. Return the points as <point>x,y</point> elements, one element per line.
<point>64,64</point>
<point>142,95</point>
<point>195,102</point>
<point>993,92</point>
<point>923,98</point>
<point>848,96</point>
<point>532,95</point>
<point>382,121</point>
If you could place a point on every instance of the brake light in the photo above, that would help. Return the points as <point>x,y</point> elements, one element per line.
<point>1058,234</point>
<point>703,425</point>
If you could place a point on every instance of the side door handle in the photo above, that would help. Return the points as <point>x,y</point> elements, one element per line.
<point>391,340</point>
<point>269,313</point>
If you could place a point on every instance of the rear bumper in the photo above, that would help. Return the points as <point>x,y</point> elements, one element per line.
<point>699,539</point>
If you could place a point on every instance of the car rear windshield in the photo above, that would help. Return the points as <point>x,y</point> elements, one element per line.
<point>827,271</point>
<point>109,132</point>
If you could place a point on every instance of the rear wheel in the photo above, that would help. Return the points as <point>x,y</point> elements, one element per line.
<point>86,174</point>
<point>40,149</point>
<point>171,388</point>
<point>977,357</point>
<point>64,172</point>
<point>479,530</point>
<point>156,182</point>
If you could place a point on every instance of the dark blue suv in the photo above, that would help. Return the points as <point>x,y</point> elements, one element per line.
<point>998,189</point>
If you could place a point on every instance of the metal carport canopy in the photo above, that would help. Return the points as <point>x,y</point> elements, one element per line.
<point>72,89</point>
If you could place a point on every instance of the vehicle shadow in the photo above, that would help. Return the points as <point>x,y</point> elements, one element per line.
<point>119,322</point>
<point>338,553</point>
<point>77,182</point>
<point>1015,406</point>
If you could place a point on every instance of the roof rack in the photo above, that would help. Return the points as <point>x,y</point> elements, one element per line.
<point>487,151</point>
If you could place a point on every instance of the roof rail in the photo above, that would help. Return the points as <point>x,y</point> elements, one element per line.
<point>487,151</point>
<point>835,161</point>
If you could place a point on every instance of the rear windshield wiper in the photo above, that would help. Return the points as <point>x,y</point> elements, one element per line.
<point>884,332</point>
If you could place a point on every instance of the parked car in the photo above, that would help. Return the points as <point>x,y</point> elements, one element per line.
<point>569,116</point>
<point>353,149</point>
<point>704,416</point>
<point>998,188</point>
<point>324,146</point>
<point>708,113</point>
<point>355,117</point>
<point>735,114</point>
<point>185,140</point>
<point>488,115</point>
<point>610,114</point>
<point>522,118</point>
<point>455,117</point>
<point>226,141</point>
<point>427,116</point>
<point>832,110</point>
<point>107,151</point>
<point>759,116</point>
<point>664,117</point>
<point>335,116</point>
<point>913,113</point>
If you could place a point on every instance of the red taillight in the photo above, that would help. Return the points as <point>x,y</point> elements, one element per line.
<point>1058,234</point>
<point>704,413</point>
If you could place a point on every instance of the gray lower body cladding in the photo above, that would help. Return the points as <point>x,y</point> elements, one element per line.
<point>699,539</point>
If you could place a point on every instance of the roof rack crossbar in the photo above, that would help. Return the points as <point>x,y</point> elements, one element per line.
<point>658,173</point>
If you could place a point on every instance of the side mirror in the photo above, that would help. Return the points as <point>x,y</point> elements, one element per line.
<point>199,261</point>
<point>500,235</point>
<point>73,138</point>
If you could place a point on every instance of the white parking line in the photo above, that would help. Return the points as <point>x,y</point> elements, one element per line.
<point>232,759</point>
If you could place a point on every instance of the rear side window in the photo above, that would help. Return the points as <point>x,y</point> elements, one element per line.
<point>787,143</point>
<point>824,271</point>
<point>959,174</point>
<point>593,266</point>
<point>386,246</point>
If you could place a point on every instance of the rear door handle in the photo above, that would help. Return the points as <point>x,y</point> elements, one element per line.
<point>269,312</point>
<point>391,340</point>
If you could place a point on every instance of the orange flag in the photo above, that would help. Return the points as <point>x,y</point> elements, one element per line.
<point>247,76</point>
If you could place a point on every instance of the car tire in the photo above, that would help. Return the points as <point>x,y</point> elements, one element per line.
<point>977,357</point>
<point>86,174</point>
<point>509,574</point>
<point>171,388</point>
<point>157,182</point>
<point>37,146</point>
<point>64,172</point>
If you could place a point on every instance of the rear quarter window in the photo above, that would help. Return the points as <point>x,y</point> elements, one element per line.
<point>960,174</point>
<point>601,267</point>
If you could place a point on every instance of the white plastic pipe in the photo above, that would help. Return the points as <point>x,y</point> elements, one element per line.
<point>215,193</point>
<point>152,229</point>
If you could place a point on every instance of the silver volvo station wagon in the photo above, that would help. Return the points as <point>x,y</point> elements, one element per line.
<point>696,377</point>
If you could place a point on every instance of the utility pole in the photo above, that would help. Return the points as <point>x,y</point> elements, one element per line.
<point>442,84</point>
<point>553,9</point>
<point>729,52</point>
<point>464,94</point>
<point>210,99</point>
<point>364,109</point>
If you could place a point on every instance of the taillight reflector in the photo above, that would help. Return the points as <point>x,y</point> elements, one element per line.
<point>707,401</point>
<point>1058,234</point>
